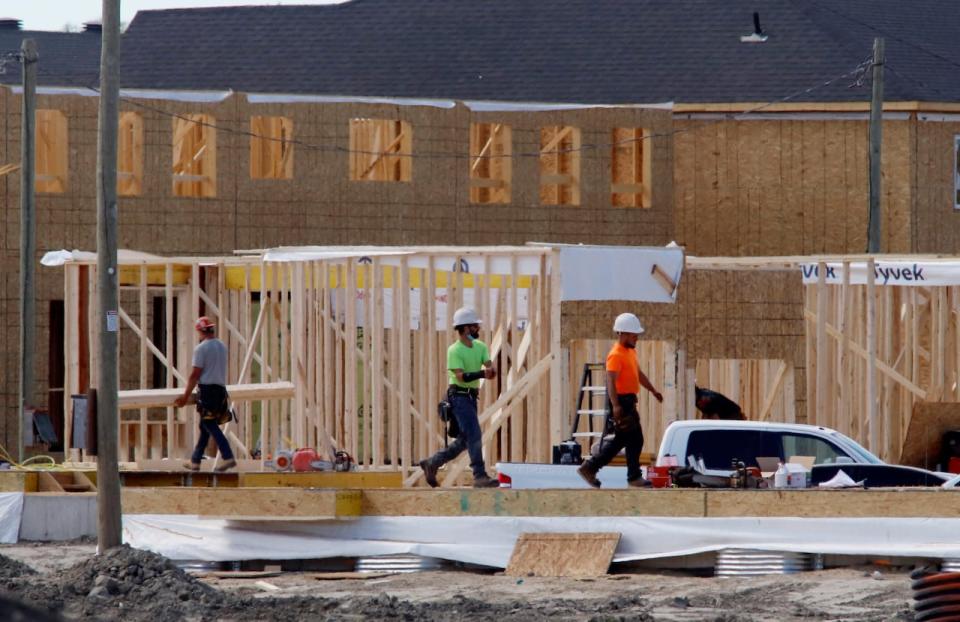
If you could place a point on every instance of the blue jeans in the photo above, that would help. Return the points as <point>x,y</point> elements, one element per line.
<point>208,428</point>
<point>465,410</point>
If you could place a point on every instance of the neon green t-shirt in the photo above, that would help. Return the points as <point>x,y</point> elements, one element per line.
<point>468,359</point>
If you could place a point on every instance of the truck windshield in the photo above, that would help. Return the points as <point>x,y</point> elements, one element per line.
<point>854,447</point>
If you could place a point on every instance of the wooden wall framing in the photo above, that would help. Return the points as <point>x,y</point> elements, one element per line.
<point>560,165</point>
<point>195,156</point>
<point>363,339</point>
<point>630,168</point>
<point>491,162</point>
<point>874,351</point>
<point>381,150</point>
<point>52,149</point>
<point>271,147</point>
<point>130,155</point>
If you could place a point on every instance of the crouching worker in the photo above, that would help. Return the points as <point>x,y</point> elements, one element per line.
<point>624,380</point>
<point>715,405</point>
<point>468,360</point>
<point>210,374</point>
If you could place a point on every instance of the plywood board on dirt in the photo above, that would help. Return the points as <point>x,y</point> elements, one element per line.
<point>929,421</point>
<point>562,554</point>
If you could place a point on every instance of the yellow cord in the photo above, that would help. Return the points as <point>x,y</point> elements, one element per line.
<point>43,462</point>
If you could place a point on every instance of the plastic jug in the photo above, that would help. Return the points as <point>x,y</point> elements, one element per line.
<point>781,477</point>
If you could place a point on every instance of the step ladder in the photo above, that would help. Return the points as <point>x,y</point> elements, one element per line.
<point>592,402</point>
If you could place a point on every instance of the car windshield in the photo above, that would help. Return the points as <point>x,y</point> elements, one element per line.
<point>854,447</point>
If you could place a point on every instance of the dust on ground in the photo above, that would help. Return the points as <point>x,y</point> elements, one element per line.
<point>70,582</point>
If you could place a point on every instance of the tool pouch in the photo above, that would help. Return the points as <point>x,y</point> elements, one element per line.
<point>445,411</point>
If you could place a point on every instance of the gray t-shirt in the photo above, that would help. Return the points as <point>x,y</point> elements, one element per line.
<point>211,357</point>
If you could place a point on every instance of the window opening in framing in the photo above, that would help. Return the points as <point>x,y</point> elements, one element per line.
<point>271,152</point>
<point>956,172</point>
<point>491,164</point>
<point>51,152</point>
<point>560,165</point>
<point>194,156</point>
<point>130,155</point>
<point>630,168</point>
<point>380,150</point>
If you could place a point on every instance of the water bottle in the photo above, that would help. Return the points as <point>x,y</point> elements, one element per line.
<point>781,477</point>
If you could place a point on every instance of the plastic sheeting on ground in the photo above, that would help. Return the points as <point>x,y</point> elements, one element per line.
<point>489,540</point>
<point>11,509</point>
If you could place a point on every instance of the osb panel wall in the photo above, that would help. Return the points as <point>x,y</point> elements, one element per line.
<point>937,223</point>
<point>787,187</point>
<point>319,205</point>
<point>719,314</point>
<point>322,206</point>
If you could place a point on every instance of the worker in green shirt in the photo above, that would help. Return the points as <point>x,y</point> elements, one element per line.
<point>468,361</point>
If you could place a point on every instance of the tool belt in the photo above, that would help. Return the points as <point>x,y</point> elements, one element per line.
<point>454,389</point>
<point>213,403</point>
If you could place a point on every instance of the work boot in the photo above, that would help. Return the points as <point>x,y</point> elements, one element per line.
<point>485,481</point>
<point>225,465</point>
<point>588,474</point>
<point>640,483</point>
<point>429,473</point>
<point>191,466</point>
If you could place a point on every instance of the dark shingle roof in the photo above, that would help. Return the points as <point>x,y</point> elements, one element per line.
<point>66,58</point>
<point>591,51</point>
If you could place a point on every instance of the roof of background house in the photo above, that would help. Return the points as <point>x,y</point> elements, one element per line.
<point>590,51</point>
<point>66,58</point>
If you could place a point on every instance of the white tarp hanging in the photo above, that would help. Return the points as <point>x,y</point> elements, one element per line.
<point>914,273</point>
<point>620,273</point>
<point>11,509</point>
<point>490,540</point>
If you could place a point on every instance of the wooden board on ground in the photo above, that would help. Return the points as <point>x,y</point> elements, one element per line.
<point>562,554</point>
<point>929,421</point>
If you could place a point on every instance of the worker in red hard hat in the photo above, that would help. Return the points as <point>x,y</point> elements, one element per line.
<point>210,376</point>
<point>624,380</point>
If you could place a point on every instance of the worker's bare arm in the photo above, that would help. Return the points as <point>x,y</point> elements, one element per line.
<point>646,384</point>
<point>612,393</point>
<point>191,385</point>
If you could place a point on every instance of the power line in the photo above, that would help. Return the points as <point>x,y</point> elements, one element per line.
<point>887,34</point>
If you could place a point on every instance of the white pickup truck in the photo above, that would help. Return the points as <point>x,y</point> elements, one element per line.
<point>719,442</point>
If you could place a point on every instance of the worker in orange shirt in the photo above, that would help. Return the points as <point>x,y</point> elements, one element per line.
<point>624,380</point>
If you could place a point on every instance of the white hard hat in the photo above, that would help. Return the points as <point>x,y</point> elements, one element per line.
<point>464,316</point>
<point>627,323</point>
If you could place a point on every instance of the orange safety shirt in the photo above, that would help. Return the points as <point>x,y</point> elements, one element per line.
<point>623,361</point>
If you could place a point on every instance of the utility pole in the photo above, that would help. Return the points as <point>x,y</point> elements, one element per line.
<point>28,241</point>
<point>108,477</point>
<point>876,140</point>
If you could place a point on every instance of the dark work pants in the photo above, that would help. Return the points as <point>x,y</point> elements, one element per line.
<point>208,428</point>
<point>465,410</point>
<point>627,436</point>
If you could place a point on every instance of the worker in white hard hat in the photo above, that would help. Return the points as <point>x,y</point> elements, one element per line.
<point>468,361</point>
<point>624,380</point>
<point>209,376</point>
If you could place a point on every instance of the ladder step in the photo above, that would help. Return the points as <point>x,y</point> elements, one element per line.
<point>586,434</point>
<point>594,389</point>
<point>594,411</point>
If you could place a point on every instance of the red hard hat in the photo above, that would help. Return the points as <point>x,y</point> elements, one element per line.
<point>204,323</point>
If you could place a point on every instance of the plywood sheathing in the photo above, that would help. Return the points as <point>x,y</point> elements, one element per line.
<point>798,186</point>
<point>935,221</point>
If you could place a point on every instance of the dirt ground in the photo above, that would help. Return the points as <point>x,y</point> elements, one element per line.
<point>70,582</point>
